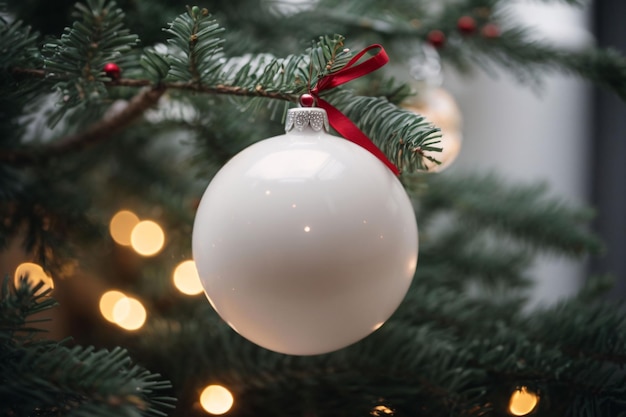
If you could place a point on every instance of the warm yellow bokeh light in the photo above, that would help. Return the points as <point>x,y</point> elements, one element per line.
<point>381,410</point>
<point>129,313</point>
<point>35,274</point>
<point>522,402</point>
<point>216,399</point>
<point>186,278</point>
<point>147,238</point>
<point>122,225</point>
<point>108,300</point>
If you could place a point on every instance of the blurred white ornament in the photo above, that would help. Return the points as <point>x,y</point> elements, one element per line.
<point>440,108</point>
<point>305,242</point>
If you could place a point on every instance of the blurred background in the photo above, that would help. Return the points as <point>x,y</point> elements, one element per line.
<point>570,135</point>
<point>565,133</point>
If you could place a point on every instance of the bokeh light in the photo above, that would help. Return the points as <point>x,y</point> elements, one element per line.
<point>216,399</point>
<point>129,313</point>
<point>34,274</point>
<point>108,300</point>
<point>186,278</point>
<point>381,410</point>
<point>121,226</point>
<point>147,238</point>
<point>523,402</point>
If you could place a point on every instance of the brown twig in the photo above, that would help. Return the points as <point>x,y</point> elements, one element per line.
<point>104,128</point>
<point>259,91</point>
<point>95,133</point>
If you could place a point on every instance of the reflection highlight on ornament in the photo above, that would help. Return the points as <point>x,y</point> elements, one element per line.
<point>378,326</point>
<point>523,402</point>
<point>186,278</point>
<point>121,226</point>
<point>307,229</point>
<point>147,238</point>
<point>34,274</point>
<point>294,164</point>
<point>215,399</point>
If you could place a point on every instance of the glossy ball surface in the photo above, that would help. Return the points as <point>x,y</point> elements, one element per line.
<point>305,243</point>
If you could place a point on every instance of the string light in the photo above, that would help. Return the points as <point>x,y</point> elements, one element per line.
<point>186,278</point>
<point>121,226</point>
<point>34,274</point>
<point>523,402</point>
<point>216,399</point>
<point>108,300</point>
<point>129,313</point>
<point>381,410</point>
<point>147,238</point>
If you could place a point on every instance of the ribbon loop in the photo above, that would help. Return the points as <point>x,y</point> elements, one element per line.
<point>339,121</point>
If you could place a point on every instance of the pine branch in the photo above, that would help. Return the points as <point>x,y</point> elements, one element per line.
<point>522,213</point>
<point>591,331</point>
<point>461,257</point>
<point>48,378</point>
<point>94,134</point>
<point>196,57</point>
<point>78,57</point>
<point>401,134</point>
<point>17,304</point>
<point>511,350</point>
<point>511,49</point>
<point>527,59</point>
<point>17,44</point>
<point>359,374</point>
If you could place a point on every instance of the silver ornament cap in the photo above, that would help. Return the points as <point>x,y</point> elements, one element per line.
<point>301,118</point>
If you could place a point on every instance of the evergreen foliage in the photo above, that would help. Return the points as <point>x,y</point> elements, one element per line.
<point>46,378</point>
<point>77,58</point>
<point>195,92</point>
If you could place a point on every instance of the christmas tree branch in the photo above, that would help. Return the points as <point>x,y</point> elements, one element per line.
<point>41,377</point>
<point>177,85</point>
<point>97,132</point>
<point>106,127</point>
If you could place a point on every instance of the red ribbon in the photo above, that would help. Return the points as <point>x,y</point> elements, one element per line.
<point>340,122</point>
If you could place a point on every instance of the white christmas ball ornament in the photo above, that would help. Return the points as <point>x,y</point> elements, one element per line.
<point>305,242</point>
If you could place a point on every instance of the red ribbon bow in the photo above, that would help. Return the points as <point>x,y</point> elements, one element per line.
<point>340,122</point>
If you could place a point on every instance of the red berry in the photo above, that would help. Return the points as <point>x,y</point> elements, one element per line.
<point>490,31</point>
<point>466,25</point>
<point>436,38</point>
<point>112,70</point>
<point>307,100</point>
